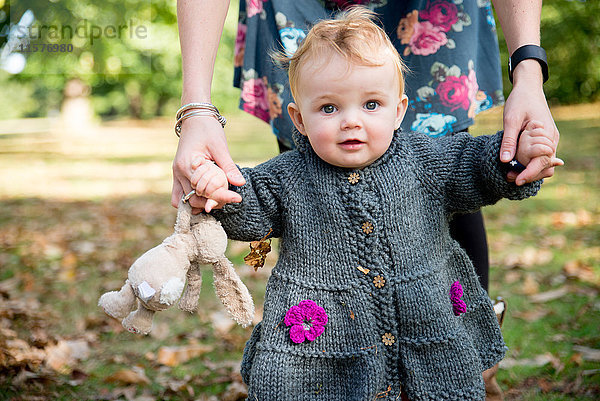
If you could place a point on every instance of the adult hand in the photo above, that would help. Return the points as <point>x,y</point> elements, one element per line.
<point>202,138</point>
<point>526,103</point>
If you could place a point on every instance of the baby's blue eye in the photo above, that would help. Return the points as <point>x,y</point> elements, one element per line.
<point>372,105</point>
<point>328,108</point>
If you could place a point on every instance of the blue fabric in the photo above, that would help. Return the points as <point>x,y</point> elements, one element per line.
<point>450,47</point>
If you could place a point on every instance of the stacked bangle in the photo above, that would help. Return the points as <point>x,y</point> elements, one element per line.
<point>197,109</point>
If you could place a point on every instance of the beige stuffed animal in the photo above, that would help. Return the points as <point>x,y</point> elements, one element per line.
<point>157,279</point>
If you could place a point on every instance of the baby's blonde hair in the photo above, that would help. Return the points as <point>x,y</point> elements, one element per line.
<point>354,35</point>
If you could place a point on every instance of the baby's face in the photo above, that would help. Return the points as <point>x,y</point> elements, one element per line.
<point>349,112</point>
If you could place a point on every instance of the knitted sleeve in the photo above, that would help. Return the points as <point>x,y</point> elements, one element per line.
<point>467,172</point>
<point>260,210</point>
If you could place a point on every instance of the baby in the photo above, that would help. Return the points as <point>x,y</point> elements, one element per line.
<point>370,297</point>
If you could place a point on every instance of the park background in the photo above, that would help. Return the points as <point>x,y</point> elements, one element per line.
<point>86,145</point>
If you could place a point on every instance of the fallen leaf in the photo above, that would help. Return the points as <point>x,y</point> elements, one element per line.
<point>549,295</point>
<point>512,277</point>
<point>577,359</point>
<point>68,267</point>
<point>135,375</point>
<point>531,315</point>
<point>581,218</point>
<point>66,353</point>
<point>530,285</point>
<point>529,257</point>
<point>588,354</point>
<point>555,242</point>
<point>234,392</point>
<point>258,252</point>
<point>576,269</point>
<point>16,352</point>
<point>174,356</point>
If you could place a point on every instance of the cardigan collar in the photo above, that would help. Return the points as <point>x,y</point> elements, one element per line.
<point>303,145</point>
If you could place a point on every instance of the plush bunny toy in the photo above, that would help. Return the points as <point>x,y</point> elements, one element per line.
<point>157,279</point>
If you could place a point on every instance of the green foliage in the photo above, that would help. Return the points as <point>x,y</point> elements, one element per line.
<point>141,78</point>
<point>571,36</point>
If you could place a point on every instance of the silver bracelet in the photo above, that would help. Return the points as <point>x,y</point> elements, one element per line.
<point>197,109</point>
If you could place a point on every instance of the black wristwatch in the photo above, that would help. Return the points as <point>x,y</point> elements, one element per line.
<point>526,52</point>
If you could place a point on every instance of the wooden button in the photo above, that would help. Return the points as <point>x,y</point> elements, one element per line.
<point>379,281</point>
<point>388,339</point>
<point>367,227</point>
<point>353,178</point>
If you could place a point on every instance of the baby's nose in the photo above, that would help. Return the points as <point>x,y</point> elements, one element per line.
<point>350,120</point>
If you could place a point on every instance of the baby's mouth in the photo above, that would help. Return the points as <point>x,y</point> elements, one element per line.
<point>352,142</point>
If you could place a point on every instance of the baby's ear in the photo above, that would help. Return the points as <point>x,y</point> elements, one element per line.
<point>401,110</point>
<point>296,116</point>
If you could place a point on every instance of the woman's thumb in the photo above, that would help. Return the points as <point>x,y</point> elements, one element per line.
<point>234,176</point>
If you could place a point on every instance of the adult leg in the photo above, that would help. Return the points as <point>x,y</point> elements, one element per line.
<point>282,146</point>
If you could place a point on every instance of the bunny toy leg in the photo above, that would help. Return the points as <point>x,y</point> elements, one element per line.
<point>189,300</point>
<point>139,321</point>
<point>119,304</point>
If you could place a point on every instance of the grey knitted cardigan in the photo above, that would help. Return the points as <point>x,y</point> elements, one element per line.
<point>372,248</point>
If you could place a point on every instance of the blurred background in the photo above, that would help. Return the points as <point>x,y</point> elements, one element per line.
<point>86,145</point>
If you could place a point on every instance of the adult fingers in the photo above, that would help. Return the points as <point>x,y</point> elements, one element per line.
<point>223,159</point>
<point>513,121</point>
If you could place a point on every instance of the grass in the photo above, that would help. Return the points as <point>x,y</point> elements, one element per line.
<point>76,210</point>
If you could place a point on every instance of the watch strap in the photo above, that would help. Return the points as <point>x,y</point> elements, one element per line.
<point>528,52</point>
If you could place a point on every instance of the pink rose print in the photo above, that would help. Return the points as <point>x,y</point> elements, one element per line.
<point>240,46</point>
<point>441,13</point>
<point>458,305</point>
<point>427,39</point>
<point>260,113</point>
<point>254,95</point>
<point>307,319</point>
<point>454,92</point>
<point>254,7</point>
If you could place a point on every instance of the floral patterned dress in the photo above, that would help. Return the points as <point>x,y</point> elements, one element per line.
<point>450,47</point>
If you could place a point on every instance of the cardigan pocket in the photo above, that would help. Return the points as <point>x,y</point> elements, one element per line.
<point>286,377</point>
<point>350,330</point>
<point>249,353</point>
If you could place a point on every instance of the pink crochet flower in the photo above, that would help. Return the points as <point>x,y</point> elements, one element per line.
<point>307,319</point>
<point>458,305</point>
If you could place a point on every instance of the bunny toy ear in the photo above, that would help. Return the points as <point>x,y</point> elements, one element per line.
<point>184,217</point>
<point>233,293</point>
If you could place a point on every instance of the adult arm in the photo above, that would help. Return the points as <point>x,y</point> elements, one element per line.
<point>520,21</point>
<point>200,25</point>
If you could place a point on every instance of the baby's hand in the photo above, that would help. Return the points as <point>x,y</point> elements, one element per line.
<point>535,151</point>
<point>210,182</point>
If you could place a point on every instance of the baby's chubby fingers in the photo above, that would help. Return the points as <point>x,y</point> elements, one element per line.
<point>210,182</point>
<point>220,198</point>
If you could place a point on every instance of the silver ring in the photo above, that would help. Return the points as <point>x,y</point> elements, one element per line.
<point>188,196</point>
